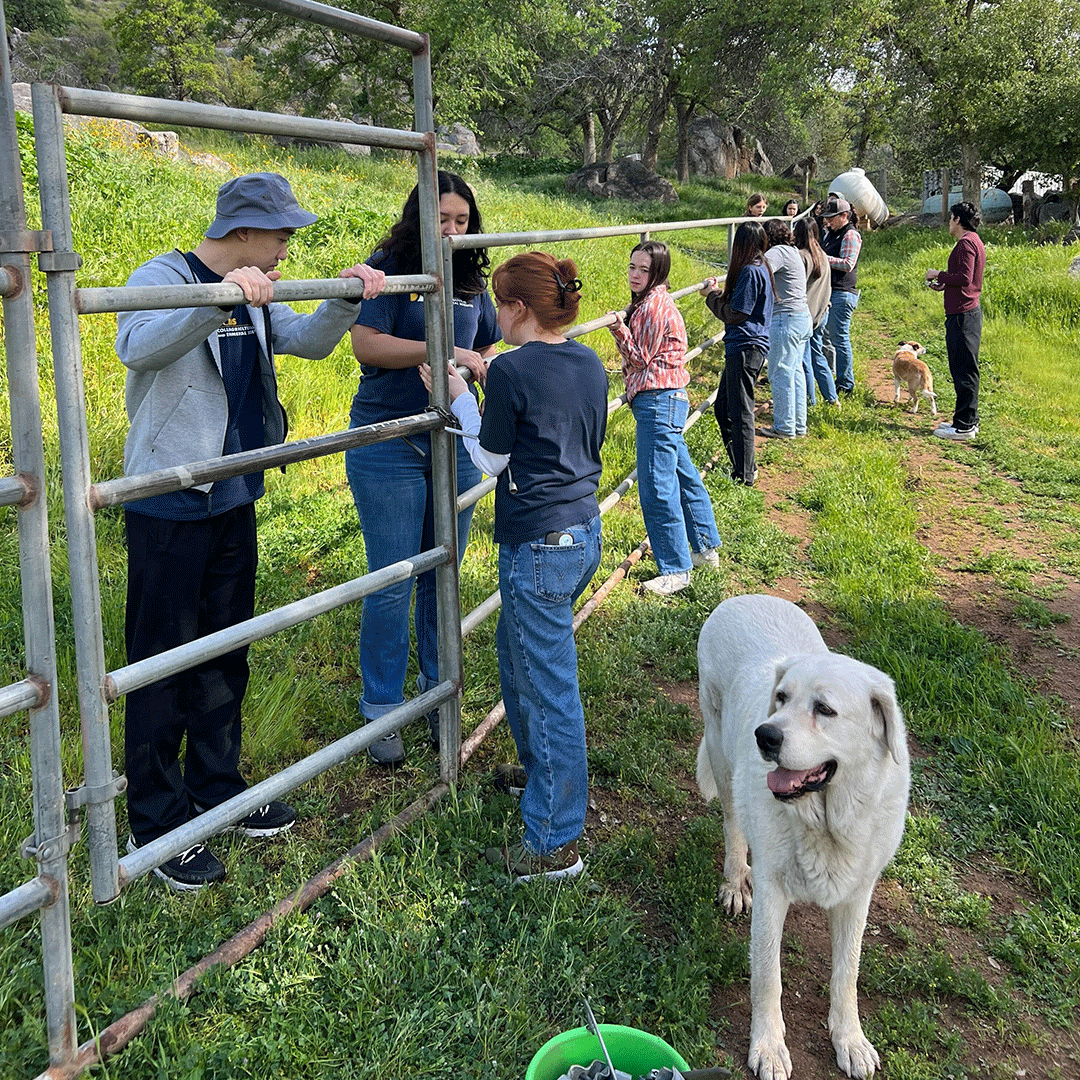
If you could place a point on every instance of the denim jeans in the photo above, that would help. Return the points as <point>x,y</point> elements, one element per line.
<point>676,507</point>
<point>538,674</point>
<point>391,486</point>
<point>841,308</point>
<point>816,367</point>
<point>788,335</point>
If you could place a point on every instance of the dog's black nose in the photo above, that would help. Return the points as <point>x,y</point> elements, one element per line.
<point>769,739</point>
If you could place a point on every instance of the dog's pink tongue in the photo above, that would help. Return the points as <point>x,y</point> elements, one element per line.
<point>781,781</point>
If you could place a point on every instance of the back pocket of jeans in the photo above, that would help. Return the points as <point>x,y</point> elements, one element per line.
<point>557,570</point>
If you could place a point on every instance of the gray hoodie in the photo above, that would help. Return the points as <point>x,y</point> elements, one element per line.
<point>175,395</point>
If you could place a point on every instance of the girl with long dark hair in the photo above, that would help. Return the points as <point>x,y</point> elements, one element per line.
<point>391,481</point>
<point>651,340</point>
<point>745,306</point>
<point>818,288</point>
<point>545,415</point>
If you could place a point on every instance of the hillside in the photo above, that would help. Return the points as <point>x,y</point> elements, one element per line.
<point>953,567</point>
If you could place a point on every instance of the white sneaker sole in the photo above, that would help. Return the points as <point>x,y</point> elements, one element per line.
<point>553,875</point>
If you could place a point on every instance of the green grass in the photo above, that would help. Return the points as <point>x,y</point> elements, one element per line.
<point>421,962</point>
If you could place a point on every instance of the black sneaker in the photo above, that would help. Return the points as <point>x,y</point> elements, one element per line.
<point>191,870</point>
<point>510,779</point>
<point>269,820</point>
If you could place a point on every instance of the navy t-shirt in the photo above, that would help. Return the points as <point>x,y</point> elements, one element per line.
<point>753,295</point>
<point>390,393</point>
<point>239,351</point>
<point>545,406</point>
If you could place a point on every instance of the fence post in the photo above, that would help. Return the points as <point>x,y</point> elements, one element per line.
<point>439,333</point>
<point>100,788</point>
<point>50,842</point>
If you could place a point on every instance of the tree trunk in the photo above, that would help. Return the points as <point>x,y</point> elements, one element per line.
<point>588,138</point>
<point>657,118</point>
<point>684,113</point>
<point>969,156</point>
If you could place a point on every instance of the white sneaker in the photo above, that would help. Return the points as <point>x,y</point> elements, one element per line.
<point>709,558</point>
<point>666,584</point>
<point>944,430</point>
<point>957,434</point>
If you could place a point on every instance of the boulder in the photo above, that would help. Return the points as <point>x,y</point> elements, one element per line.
<point>719,149</point>
<point>457,140</point>
<point>1074,268</point>
<point>621,179</point>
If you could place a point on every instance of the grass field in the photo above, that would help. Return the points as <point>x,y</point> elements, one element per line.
<point>421,962</point>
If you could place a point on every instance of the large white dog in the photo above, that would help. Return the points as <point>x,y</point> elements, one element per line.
<point>807,751</point>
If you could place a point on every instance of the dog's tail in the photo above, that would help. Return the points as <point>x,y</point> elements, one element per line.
<point>706,778</point>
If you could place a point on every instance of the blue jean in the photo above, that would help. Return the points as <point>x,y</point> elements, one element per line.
<point>816,367</point>
<point>391,486</point>
<point>841,308</point>
<point>676,507</point>
<point>788,335</point>
<point>538,674</point>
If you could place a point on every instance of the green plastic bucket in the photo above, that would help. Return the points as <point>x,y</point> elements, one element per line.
<point>632,1051</point>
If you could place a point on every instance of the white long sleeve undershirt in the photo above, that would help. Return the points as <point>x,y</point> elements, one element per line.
<point>467,414</point>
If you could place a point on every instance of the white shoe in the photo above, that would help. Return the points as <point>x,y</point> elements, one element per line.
<point>947,431</point>
<point>666,584</point>
<point>709,558</point>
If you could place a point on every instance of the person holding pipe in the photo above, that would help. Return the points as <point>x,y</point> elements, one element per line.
<point>201,384</point>
<point>544,422</point>
<point>389,342</point>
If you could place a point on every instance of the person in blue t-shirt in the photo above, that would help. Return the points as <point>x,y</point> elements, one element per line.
<point>745,306</point>
<point>545,416</point>
<point>391,481</point>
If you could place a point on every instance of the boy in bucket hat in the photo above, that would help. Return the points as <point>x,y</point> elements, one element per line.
<point>201,384</point>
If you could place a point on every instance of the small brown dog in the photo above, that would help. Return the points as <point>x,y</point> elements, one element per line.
<point>908,369</point>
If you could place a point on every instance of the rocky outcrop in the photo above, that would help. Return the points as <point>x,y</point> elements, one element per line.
<point>720,149</point>
<point>457,140</point>
<point>622,179</point>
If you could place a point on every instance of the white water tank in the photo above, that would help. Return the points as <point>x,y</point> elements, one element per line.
<point>857,189</point>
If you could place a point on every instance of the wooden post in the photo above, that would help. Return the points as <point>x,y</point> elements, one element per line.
<point>1028,188</point>
<point>944,194</point>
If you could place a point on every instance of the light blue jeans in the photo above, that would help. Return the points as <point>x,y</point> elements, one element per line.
<point>676,507</point>
<point>816,367</point>
<point>391,486</point>
<point>841,308</point>
<point>788,334</point>
<point>538,673</point>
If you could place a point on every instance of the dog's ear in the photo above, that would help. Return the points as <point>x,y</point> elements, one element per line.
<point>782,667</point>
<point>888,721</point>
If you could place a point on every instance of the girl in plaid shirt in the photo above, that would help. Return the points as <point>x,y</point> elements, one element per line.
<point>651,339</point>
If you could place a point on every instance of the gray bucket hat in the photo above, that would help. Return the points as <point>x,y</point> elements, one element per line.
<point>258,201</point>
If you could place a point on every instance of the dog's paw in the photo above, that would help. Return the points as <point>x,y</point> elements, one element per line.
<point>737,898</point>
<point>856,1056</point>
<point>769,1059</point>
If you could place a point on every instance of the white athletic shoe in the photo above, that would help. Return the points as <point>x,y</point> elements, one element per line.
<point>666,584</point>
<point>709,558</point>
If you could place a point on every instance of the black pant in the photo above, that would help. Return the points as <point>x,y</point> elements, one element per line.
<point>963,333</point>
<point>734,410</point>
<point>186,579</point>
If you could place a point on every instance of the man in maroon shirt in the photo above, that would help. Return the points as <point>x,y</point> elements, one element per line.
<point>962,283</point>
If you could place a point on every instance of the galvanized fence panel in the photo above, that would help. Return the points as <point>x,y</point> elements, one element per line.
<point>56,813</point>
